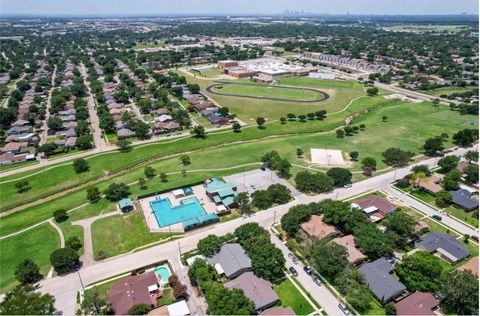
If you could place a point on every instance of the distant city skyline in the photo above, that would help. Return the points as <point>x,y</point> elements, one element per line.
<point>235,7</point>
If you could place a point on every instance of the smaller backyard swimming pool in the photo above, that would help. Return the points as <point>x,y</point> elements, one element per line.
<point>163,272</point>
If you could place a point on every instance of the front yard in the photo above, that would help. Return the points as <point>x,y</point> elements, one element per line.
<point>290,296</point>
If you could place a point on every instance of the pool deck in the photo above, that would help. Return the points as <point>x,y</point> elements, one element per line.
<point>198,192</point>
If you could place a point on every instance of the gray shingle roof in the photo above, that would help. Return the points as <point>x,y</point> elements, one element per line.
<point>232,258</point>
<point>463,198</point>
<point>379,280</point>
<point>437,240</point>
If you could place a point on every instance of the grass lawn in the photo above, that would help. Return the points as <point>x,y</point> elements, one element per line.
<point>469,217</point>
<point>424,196</point>
<point>167,298</point>
<point>210,72</point>
<point>36,244</point>
<point>290,296</point>
<point>448,90</point>
<point>229,217</point>
<point>375,308</point>
<point>118,234</point>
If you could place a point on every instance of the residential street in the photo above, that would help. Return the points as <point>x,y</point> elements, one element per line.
<point>44,135</point>
<point>65,288</point>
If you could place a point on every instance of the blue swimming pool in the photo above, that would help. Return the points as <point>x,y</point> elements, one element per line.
<point>166,214</point>
<point>163,272</point>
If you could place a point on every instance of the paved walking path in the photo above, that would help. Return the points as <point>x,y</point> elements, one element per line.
<point>59,231</point>
<point>88,256</point>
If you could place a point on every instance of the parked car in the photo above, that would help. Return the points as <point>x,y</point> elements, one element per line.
<point>293,271</point>
<point>294,259</point>
<point>437,217</point>
<point>253,186</point>
<point>344,308</point>
<point>317,280</point>
<point>348,185</point>
<point>474,237</point>
<point>290,255</point>
<point>307,270</point>
<point>263,167</point>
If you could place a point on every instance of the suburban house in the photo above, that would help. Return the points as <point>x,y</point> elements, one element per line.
<point>354,255</point>
<point>258,290</point>
<point>445,245</point>
<point>221,192</point>
<point>461,165</point>
<point>430,184</point>
<point>231,260</point>
<point>316,228</point>
<point>166,127</point>
<point>125,132</point>
<point>278,310</point>
<point>380,281</point>
<point>471,265</point>
<point>418,303</point>
<point>13,147</point>
<point>463,198</point>
<point>376,207</point>
<point>132,290</point>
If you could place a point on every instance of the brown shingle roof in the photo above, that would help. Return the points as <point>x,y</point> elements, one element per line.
<point>315,227</point>
<point>418,303</point>
<point>278,310</point>
<point>471,265</point>
<point>381,203</point>
<point>354,255</point>
<point>258,290</point>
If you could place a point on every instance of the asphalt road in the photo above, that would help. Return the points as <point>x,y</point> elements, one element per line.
<point>65,288</point>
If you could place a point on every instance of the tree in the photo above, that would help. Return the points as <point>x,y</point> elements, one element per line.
<point>451,181</point>
<point>372,242</point>
<point>459,290</point>
<point>466,137</point>
<point>443,199</point>
<point>142,183</point>
<point>390,309</point>
<point>306,181</point>
<point>185,160</point>
<point>471,174</point>
<point>420,272</point>
<point>396,157</point>
<point>283,168</point>
<point>64,260</point>
<point>225,301</point>
<point>149,172</point>
<point>433,145</point>
<point>302,117</point>
<point>402,224</point>
<point>93,195</point>
<point>141,129</point>
<point>448,163</point>
<point>54,123</point>
<point>384,118</point>
<point>425,169</point>
<point>84,142</point>
<point>236,127</point>
<point>25,299</point>
<point>299,152</point>
<point>295,216</point>
<point>243,201</point>
<point>80,165</point>
<point>139,309</point>
<point>180,291</point>
<point>340,133</point>
<point>471,156</point>
<point>340,176</point>
<point>92,303</point>
<point>271,159</point>
<point>223,111</point>
<point>260,121</point>
<point>246,232</point>
<point>268,261</point>
<point>320,115</point>
<point>60,215</point>
<point>261,199</point>
<point>354,155</point>
<point>193,88</point>
<point>27,272</point>
<point>48,148</point>
<point>283,120</point>
<point>372,91</point>
<point>291,116</point>
<point>369,162</point>
<point>74,243</point>
<point>198,132</point>
<point>163,177</point>
<point>329,259</point>
<point>124,145</point>
<point>201,272</point>
<point>117,191</point>
<point>22,186</point>
<point>209,245</point>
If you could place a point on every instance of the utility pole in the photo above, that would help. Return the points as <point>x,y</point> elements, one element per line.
<point>274,216</point>
<point>179,249</point>
<point>81,282</point>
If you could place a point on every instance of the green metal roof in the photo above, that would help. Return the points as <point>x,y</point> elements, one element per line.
<point>200,220</point>
<point>217,199</point>
<point>226,192</point>
<point>125,203</point>
<point>218,184</point>
<point>228,201</point>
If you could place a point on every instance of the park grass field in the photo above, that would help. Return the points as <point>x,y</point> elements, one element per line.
<point>36,244</point>
<point>448,90</point>
<point>134,234</point>
<point>282,93</point>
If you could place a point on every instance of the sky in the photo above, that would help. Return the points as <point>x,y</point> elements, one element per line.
<point>163,7</point>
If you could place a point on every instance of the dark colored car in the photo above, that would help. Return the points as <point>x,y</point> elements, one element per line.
<point>293,271</point>
<point>437,217</point>
<point>307,270</point>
